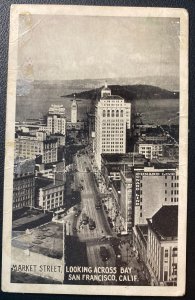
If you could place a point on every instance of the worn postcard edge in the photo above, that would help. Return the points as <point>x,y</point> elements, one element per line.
<point>9,150</point>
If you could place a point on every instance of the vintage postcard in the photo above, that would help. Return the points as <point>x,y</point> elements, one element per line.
<point>95,193</point>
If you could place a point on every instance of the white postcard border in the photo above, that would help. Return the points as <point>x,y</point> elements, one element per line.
<point>9,150</point>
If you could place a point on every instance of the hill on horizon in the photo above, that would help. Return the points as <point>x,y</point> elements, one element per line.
<point>129,92</point>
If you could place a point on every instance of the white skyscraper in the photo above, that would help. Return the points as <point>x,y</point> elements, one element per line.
<point>74,111</point>
<point>56,120</point>
<point>112,119</point>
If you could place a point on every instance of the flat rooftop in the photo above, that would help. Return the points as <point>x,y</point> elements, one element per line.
<point>123,157</point>
<point>27,217</point>
<point>46,239</point>
<point>46,183</point>
<point>165,221</point>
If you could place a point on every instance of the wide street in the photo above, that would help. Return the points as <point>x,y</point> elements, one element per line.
<point>93,238</point>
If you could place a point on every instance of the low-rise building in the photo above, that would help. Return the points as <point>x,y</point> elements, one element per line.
<point>151,150</point>
<point>112,164</point>
<point>50,193</point>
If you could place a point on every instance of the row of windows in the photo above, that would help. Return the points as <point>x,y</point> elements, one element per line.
<point>173,192</point>
<point>112,113</point>
<point>173,199</point>
<point>52,195</point>
<point>23,198</point>
<point>112,147</point>
<point>176,184</point>
<point>22,204</point>
<point>173,177</point>
<point>52,201</point>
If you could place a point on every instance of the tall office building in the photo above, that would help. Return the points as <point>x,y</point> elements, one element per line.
<point>112,119</point>
<point>154,187</point>
<point>56,119</point>
<point>74,111</point>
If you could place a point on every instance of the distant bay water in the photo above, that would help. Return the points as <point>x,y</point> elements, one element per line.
<point>34,100</point>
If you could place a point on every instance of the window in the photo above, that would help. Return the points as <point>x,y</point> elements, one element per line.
<point>174,253</point>
<point>112,113</point>
<point>104,113</point>
<point>121,113</point>
<point>108,113</point>
<point>165,275</point>
<point>117,113</point>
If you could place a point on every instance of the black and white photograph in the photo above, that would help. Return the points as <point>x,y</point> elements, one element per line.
<point>95,185</point>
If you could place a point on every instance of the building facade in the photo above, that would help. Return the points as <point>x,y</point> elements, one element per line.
<point>80,125</point>
<point>56,119</point>
<point>31,146</point>
<point>126,200</point>
<point>24,183</point>
<point>162,245</point>
<point>154,186</point>
<point>151,151</point>
<point>112,118</point>
<point>50,193</point>
<point>156,246</point>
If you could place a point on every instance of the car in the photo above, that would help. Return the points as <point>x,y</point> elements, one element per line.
<point>118,254</point>
<point>92,224</point>
<point>85,219</point>
<point>114,242</point>
<point>104,253</point>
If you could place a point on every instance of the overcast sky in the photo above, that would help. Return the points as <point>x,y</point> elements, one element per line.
<point>79,47</point>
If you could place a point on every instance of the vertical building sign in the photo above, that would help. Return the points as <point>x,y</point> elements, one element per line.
<point>137,189</point>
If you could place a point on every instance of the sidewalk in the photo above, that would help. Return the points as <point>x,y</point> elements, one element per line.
<point>130,259</point>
